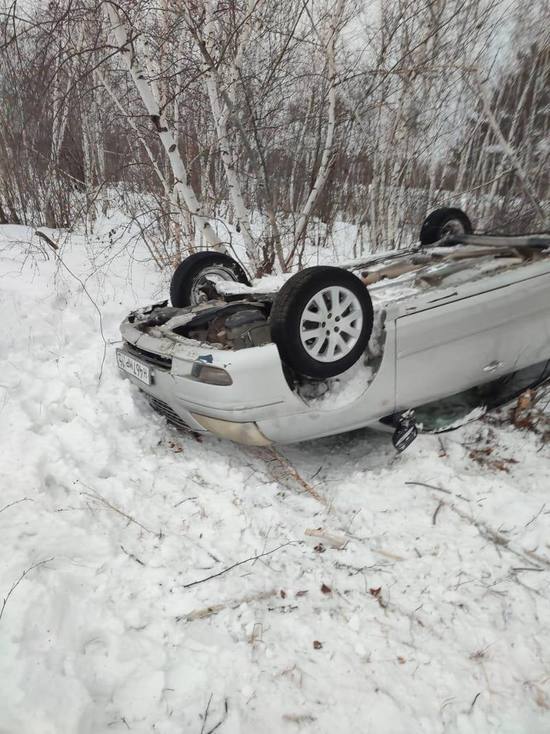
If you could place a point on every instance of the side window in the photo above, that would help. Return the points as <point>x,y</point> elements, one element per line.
<point>442,414</point>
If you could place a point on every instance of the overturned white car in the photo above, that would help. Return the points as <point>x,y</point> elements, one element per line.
<point>387,340</point>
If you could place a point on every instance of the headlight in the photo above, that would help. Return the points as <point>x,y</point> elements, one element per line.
<point>247,433</point>
<point>203,372</point>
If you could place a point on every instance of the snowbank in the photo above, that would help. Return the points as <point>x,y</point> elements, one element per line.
<point>432,618</point>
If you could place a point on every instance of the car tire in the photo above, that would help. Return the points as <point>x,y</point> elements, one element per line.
<point>189,282</point>
<point>442,222</point>
<point>314,337</point>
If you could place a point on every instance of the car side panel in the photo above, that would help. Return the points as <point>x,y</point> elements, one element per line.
<point>452,347</point>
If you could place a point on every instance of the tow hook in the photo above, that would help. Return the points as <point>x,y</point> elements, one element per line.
<point>406,430</point>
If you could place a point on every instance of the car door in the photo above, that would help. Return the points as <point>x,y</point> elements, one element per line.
<point>451,346</point>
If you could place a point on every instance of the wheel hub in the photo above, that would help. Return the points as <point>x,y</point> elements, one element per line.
<point>331,324</point>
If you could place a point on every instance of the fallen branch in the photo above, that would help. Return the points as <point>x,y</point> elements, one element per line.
<point>387,554</point>
<point>429,486</point>
<point>16,502</point>
<point>93,494</point>
<point>485,530</point>
<point>16,583</point>
<point>527,523</point>
<point>132,556</point>
<point>497,538</point>
<point>205,715</point>
<point>239,563</point>
<point>474,702</point>
<point>434,516</point>
<point>335,541</point>
<point>217,608</point>
<point>272,456</point>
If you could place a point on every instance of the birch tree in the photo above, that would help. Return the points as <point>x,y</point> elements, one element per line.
<point>221,114</point>
<point>269,122</point>
<point>329,43</point>
<point>149,95</point>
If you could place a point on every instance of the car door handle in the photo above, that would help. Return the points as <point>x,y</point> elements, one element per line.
<point>492,366</point>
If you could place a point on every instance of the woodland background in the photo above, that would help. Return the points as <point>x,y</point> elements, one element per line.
<point>267,122</point>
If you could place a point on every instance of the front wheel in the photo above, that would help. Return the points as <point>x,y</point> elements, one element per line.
<point>192,279</point>
<point>321,321</point>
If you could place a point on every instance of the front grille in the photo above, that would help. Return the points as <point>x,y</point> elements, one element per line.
<point>154,360</point>
<point>165,410</point>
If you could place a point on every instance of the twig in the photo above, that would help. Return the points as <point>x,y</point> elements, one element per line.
<point>187,499</point>
<point>387,554</point>
<point>16,502</point>
<point>55,248</point>
<point>430,486</point>
<point>93,494</point>
<point>205,715</point>
<point>217,608</point>
<point>485,531</point>
<point>220,722</point>
<point>239,563</point>
<point>526,524</point>
<point>439,506</point>
<point>217,726</point>
<point>16,583</point>
<point>498,539</point>
<point>474,701</point>
<point>517,569</point>
<point>132,556</point>
<point>275,456</point>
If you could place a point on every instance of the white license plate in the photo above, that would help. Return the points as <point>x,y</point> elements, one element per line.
<point>133,367</point>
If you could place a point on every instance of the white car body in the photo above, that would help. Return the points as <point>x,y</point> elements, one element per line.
<point>438,340</point>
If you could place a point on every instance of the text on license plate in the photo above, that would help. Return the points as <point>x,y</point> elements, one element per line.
<point>133,367</point>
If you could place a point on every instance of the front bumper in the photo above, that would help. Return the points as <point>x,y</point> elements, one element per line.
<point>258,392</point>
<point>258,407</point>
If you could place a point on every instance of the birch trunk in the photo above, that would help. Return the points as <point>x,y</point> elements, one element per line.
<point>230,165</point>
<point>508,150</point>
<point>326,158</point>
<point>221,112</point>
<point>149,97</point>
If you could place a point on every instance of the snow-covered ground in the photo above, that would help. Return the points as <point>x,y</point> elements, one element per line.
<point>434,617</point>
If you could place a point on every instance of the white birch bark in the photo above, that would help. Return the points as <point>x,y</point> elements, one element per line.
<point>221,112</point>
<point>229,160</point>
<point>508,150</point>
<point>149,97</point>
<point>326,158</point>
<point>134,127</point>
<point>298,153</point>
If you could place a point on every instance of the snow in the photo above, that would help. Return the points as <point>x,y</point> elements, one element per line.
<point>427,621</point>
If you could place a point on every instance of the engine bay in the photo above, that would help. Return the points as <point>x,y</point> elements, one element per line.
<point>237,325</point>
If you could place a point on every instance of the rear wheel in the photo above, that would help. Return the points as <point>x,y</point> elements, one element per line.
<point>192,279</point>
<point>321,321</point>
<point>443,222</point>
